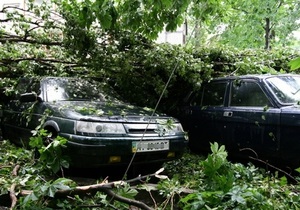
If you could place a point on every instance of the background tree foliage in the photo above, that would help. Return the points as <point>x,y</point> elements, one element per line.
<point>110,42</point>
<point>261,23</point>
<point>247,24</point>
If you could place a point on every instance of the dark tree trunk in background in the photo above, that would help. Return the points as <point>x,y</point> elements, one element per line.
<point>267,34</point>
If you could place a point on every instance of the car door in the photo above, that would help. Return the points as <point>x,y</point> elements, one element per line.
<point>253,122</point>
<point>17,114</point>
<point>206,116</point>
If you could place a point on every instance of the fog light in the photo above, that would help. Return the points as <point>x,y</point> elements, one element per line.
<point>171,154</point>
<point>114,159</point>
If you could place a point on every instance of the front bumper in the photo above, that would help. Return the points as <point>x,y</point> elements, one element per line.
<point>91,152</point>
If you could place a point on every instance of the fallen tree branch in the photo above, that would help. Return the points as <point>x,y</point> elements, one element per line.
<point>12,193</point>
<point>31,41</point>
<point>101,186</point>
<point>51,60</point>
<point>106,188</point>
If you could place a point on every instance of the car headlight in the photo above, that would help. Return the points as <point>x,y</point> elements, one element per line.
<point>94,127</point>
<point>176,128</point>
<point>170,129</point>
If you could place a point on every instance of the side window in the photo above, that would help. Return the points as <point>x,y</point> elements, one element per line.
<point>247,93</point>
<point>213,94</point>
<point>34,87</point>
<point>26,85</point>
<point>22,87</point>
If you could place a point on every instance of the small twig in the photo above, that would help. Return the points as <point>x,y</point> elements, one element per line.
<point>153,200</point>
<point>12,193</point>
<point>268,164</point>
<point>15,170</point>
<point>249,149</point>
<point>98,206</point>
<point>13,196</point>
<point>274,167</point>
<point>5,166</point>
<point>127,200</point>
<point>62,171</point>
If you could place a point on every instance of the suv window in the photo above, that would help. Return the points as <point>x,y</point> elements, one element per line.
<point>247,93</point>
<point>213,94</point>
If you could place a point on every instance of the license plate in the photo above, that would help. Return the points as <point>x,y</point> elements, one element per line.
<point>150,146</point>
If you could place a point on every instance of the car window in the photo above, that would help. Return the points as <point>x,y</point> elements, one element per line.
<point>247,93</point>
<point>22,86</point>
<point>27,85</point>
<point>212,94</point>
<point>285,88</point>
<point>62,89</point>
<point>34,87</point>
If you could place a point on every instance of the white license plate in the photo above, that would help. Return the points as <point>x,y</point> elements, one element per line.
<point>150,146</point>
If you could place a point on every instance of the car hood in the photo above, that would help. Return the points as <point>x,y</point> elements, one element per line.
<point>100,111</point>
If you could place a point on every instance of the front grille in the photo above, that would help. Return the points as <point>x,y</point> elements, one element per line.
<point>140,129</point>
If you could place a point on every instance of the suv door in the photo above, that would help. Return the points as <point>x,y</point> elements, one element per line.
<point>253,122</point>
<point>205,120</point>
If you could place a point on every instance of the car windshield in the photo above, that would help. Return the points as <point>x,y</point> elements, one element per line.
<point>74,89</point>
<point>286,88</point>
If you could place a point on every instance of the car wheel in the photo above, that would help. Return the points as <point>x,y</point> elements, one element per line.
<point>3,134</point>
<point>46,140</point>
<point>50,138</point>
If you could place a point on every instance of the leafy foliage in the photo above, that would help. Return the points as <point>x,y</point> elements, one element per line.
<point>213,182</point>
<point>77,46</point>
<point>146,17</point>
<point>70,42</point>
<point>220,184</point>
<point>243,24</point>
<point>50,150</point>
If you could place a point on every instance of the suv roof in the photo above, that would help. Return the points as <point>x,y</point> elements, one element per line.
<point>250,76</point>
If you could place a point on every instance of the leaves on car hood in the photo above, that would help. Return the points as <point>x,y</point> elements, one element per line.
<point>99,110</point>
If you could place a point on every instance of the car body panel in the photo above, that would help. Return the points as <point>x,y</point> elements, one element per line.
<point>44,100</point>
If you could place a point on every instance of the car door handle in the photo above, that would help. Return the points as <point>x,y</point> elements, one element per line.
<point>227,114</point>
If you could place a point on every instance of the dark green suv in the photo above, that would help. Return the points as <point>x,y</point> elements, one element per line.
<point>253,115</point>
<point>100,129</point>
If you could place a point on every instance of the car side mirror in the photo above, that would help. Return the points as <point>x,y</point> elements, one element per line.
<point>29,97</point>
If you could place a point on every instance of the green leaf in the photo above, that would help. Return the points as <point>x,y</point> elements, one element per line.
<point>51,191</point>
<point>64,163</point>
<point>55,165</point>
<point>295,64</point>
<point>283,181</point>
<point>297,169</point>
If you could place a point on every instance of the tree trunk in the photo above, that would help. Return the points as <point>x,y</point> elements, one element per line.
<point>267,34</point>
<point>197,33</point>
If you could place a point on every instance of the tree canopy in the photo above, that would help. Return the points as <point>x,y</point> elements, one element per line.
<point>113,41</point>
<point>100,39</point>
